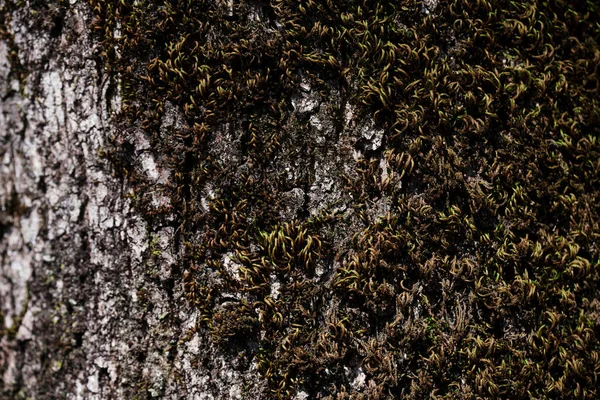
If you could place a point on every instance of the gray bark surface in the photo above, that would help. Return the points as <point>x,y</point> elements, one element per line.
<point>91,304</point>
<point>330,200</point>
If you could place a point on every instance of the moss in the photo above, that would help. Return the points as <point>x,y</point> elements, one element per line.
<point>469,269</point>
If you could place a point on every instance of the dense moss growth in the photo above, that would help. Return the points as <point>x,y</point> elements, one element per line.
<point>460,257</point>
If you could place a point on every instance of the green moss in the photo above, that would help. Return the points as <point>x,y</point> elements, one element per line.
<point>479,277</point>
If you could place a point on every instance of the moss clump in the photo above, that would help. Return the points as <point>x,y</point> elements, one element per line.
<point>465,263</point>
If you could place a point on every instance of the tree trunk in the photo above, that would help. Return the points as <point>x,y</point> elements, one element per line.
<point>277,199</point>
<point>81,316</point>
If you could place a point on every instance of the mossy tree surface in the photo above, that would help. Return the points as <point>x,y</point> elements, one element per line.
<point>459,255</point>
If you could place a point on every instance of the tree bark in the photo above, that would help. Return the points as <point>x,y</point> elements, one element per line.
<point>322,199</point>
<point>81,316</point>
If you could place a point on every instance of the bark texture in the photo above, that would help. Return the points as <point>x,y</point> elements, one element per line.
<point>82,316</point>
<point>330,199</point>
